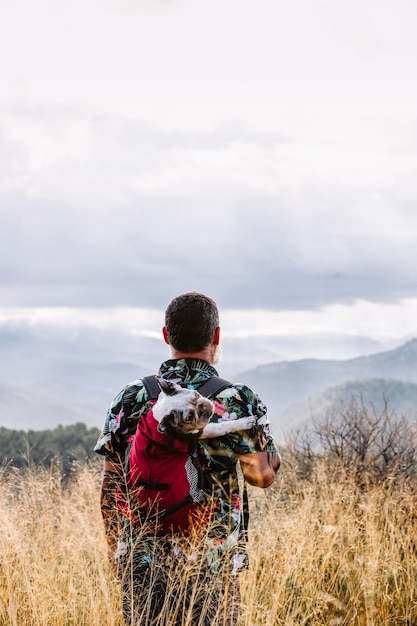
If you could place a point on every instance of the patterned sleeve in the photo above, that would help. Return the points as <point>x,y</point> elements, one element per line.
<point>121,420</point>
<point>240,401</point>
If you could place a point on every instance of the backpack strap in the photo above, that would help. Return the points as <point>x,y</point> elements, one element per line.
<point>151,385</point>
<point>213,386</point>
<point>209,389</point>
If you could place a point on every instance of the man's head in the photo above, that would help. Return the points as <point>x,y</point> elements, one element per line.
<point>191,323</point>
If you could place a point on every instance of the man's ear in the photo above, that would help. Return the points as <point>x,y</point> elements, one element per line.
<point>165,335</point>
<point>216,336</point>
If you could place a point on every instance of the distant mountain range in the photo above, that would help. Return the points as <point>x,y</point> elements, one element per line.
<point>46,380</point>
<point>296,390</point>
<point>375,393</point>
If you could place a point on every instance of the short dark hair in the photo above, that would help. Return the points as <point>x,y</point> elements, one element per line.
<point>190,321</point>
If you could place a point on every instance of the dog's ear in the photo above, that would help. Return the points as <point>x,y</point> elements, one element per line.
<point>162,426</point>
<point>167,386</point>
<point>170,422</point>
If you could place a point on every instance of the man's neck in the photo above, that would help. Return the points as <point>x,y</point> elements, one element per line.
<point>208,354</point>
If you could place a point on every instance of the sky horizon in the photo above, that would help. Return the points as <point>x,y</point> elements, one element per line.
<point>263,153</point>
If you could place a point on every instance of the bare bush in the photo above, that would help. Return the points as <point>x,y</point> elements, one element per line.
<point>371,445</point>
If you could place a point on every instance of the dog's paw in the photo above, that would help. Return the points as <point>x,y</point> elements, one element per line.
<point>246,423</point>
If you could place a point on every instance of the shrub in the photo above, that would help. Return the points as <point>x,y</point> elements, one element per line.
<point>372,446</point>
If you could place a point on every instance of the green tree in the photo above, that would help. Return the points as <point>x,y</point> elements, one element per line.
<point>64,444</point>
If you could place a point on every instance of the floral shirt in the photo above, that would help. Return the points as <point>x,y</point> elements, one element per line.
<point>218,457</point>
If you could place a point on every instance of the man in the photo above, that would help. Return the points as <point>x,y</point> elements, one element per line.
<point>211,593</point>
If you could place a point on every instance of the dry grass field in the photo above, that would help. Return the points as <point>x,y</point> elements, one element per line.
<point>322,551</point>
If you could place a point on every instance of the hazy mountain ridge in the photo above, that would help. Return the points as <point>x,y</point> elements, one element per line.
<point>400,397</point>
<point>49,377</point>
<point>288,387</point>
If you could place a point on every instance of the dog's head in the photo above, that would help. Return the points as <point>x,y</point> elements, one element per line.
<point>181,410</point>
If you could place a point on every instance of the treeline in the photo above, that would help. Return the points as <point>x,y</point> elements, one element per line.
<point>64,445</point>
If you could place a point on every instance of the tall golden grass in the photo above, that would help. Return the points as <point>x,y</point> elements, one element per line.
<point>53,555</point>
<point>321,552</point>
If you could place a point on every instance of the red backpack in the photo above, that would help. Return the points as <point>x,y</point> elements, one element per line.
<point>161,491</point>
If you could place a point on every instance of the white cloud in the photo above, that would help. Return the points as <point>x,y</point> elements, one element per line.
<point>249,338</point>
<point>376,320</point>
<point>263,151</point>
<point>200,63</point>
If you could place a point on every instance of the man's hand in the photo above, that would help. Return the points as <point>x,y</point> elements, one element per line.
<point>259,468</point>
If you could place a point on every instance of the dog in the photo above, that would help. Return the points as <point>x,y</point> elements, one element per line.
<point>181,411</point>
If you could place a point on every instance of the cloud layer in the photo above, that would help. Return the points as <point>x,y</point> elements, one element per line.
<point>266,158</point>
<point>112,212</point>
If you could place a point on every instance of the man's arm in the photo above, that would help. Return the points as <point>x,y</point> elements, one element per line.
<point>112,471</point>
<point>259,468</point>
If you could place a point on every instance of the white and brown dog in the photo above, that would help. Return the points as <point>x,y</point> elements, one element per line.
<point>184,411</point>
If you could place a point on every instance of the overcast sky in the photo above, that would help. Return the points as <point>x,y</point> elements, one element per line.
<point>263,152</point>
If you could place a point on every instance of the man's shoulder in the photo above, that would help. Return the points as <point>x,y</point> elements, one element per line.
<point>240,399</point>
<point>132,392</point>
<point>121,418</point>
<point>238,388</point>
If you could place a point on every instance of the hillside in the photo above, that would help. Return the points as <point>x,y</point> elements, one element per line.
<point>400,397</point>
<point>49,378</point>
<point>288,386</point>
